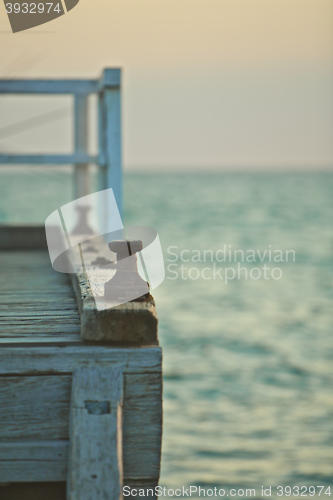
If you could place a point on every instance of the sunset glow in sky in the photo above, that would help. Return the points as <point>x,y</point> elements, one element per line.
<point>207,83</point>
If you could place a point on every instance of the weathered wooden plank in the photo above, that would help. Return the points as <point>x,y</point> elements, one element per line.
<point>95,459</point>
<point>42,287</point>
<point>35,300</point>
<point>62,290</point>
<point>33,461</point>
<point>27,340</point>
<point>11,331</point>
<point>25,330</point>
<point>48,86</point>
<point>60,315</point>
<point>32,471</point>
<point>44,308</point>
<point>133,322</point>
<point>54,159</point>
<point>36,314</point>
<point>109,79</point>
<point>37,259</point>
<point>142,424</point>
<point>23,408</point>
<point>15,274</point>
<point>25,272</point>
<point>34,407</point>
<point>54,322</point>
<point>50,451</point>
<point>110,133</point>
<point>47,469</point>
<point>17,360</point>
<point>82,179</point>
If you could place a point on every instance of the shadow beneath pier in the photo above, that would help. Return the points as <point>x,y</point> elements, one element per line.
<point>33,491</point>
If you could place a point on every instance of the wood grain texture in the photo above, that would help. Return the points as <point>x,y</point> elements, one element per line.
<point>34,408</point>
<point>133,322</point>
<point>38,301</point>
<point>142,424</point>
<point>35,421</point>
<point>95,435</point>
<point>64,360</point>
<point>37,305</point>
<point>33,461</point>
<point>48,451</point>
<point>23,471</point>
<point>35,300</point>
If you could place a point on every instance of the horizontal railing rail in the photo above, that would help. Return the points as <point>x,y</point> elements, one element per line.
<point>109,80</point>
<point>49,86</point>
<point>71,159</point>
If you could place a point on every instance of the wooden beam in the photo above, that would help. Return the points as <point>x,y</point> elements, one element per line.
<point>49,86</point>
<point>30,471</point>
<point>110,79</point>
<point>81,178</point>
<point>74,158</point>
<point>55,451</point>
<point>133,322</point>
<point>110,134</point>
<point>20,360</point>
<point>40,432</point>
<point>33,461</point>
<point>95,459</point>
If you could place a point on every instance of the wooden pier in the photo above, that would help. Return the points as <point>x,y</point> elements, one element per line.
<point>80,389</point>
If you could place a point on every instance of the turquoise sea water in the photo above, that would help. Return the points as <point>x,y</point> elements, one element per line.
<point>248,371</point>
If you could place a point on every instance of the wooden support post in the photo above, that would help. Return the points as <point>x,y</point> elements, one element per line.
<point>82,179</point>
<point>95,456</point>
<point>110,133</point>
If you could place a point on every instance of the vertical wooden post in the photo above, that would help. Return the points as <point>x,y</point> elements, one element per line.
<point>110,133</point>
<point>81,178</point>
<point>95,470</point>
<point>102,182</point>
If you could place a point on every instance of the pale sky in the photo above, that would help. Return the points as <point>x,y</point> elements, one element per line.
<point>206,83</point>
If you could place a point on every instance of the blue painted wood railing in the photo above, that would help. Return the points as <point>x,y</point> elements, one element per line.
<point>109,159</point>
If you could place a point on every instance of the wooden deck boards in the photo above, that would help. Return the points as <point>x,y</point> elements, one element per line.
<point>36,302</point>
<point>41,346</point>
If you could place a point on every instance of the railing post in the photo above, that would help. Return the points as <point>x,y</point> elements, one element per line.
<point>81,178</point>
<point>110,133</point>
<point>95,464</point>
